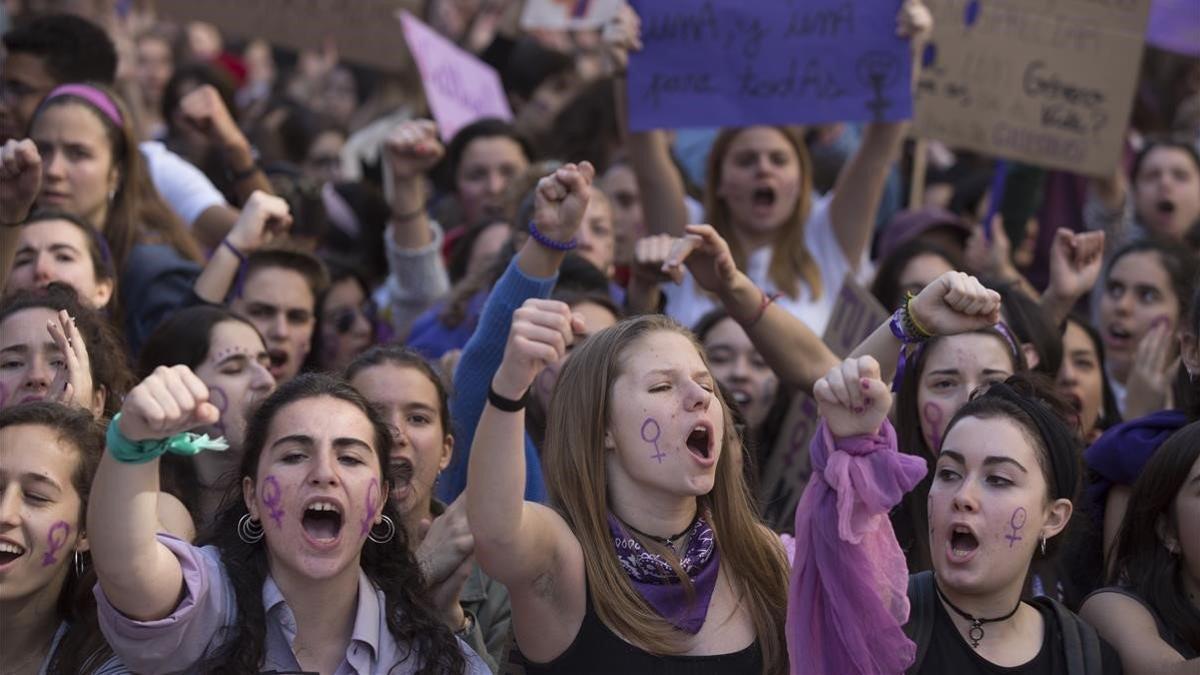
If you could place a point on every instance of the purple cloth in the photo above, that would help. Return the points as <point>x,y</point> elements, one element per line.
<point>1118,457</point>
<point>848,596</point>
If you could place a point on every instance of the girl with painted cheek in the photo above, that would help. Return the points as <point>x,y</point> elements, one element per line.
<point>46,341</point>
<point>1151,611</point>
<point>415,404</point>
<point>1002,492</point>
<point>59,247</point>
<point>229,356</point>
<point>48,454</point>
<point>1082,379</point>
<point>643,471</point>
<point>1144,291</point>
<point>307,571</point>
<point>953,368</point>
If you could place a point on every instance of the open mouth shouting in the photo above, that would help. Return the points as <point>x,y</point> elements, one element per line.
<point>962,544</point>
<point>1165,207</point>
<point>1118,337</point>
<point>763,199</point>
<point>400,475</point>
<point>322,523</point>
<point>279,359</point>
<point>700,443</point>
<point>10,552</point>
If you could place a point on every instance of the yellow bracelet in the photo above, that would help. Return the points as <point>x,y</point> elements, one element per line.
<point>912,318</point>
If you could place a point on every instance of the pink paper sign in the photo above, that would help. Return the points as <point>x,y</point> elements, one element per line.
<point>459,87</point>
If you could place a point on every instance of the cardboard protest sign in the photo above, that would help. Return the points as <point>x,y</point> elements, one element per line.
<point>1044,83</point>
<point>1175,26</point>
<point>363,30</point>
<point>732,62</point>
<point>856,315</point>
<point>459,87</point>
<point>569,14</point>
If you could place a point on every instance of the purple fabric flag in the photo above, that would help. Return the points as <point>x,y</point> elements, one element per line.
<point>733,63</point>
<point>848,596</point>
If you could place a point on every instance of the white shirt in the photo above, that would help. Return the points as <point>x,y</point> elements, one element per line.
<point>184,187</point>
<point>687,302</point>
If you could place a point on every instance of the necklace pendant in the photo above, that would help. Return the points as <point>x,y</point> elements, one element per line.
<point>975,634</point>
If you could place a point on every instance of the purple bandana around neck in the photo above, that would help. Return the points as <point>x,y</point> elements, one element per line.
<point>656,582</point>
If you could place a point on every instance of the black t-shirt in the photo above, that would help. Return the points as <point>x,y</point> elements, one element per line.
<point>949,652</point>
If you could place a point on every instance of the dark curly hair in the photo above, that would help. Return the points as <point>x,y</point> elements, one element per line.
<point>390,566</point>
<point>106,350</point>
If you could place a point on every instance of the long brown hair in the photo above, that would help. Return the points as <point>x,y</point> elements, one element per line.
<point>791,260</point>
<point>576,480</point>
<point>137,213</point>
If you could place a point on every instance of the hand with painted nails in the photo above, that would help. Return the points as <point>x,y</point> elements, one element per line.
<point>852,397</point>
<point>1075,262</point>
<point>560,200</point>
<point>263,219</point>
<point>541,331</point>
<point>1148,388</point>
<point>169,401</point>
<point>955,303</point>
<point>72,384</point>
<point>20,180</point>
<point>413,148</point>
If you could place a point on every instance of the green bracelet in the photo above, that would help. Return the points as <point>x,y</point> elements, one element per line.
<point>139,452</point>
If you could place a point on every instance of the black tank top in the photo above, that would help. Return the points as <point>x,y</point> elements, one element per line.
<point>596,649</point>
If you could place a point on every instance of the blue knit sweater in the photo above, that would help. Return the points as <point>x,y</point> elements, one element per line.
<point>480,360</point>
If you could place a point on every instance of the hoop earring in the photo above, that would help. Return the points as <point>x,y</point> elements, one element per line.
<point>1043,546</point>
<point>78,565</point>
<point>249,530</point>
<point>389,531</point>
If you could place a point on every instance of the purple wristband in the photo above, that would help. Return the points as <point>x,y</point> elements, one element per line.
<point>550,243</point>
<point>241,273</point>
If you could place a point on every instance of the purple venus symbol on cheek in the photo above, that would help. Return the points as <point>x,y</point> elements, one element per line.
<point>1016,522</point>
<point>272,498</point>
<point>933,417</point>
<point>372,504</point>
<point>651,433</point>
<point>56,538</point>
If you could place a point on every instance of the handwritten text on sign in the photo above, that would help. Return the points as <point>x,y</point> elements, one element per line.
<point>459,87</point>
<point>1047,83</point>
<point>732,62</point>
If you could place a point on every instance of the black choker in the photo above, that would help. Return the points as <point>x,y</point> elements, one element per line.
<point>975,633</point>
<point>669,542</point>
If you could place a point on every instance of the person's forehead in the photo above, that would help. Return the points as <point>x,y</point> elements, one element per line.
<point>279,286</point>
<point>977,438</point>
<point>970,350</point>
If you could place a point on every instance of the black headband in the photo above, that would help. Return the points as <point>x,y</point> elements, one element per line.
<point>1060,441</point>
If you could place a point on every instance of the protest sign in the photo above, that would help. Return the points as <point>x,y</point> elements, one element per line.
<point>1044,83</point>
<point>1175,26</point>
<point>569,14</point>
<point>363,30</point>
<point>856,315</point>
<point>459,87</point>
<point>731,62</point>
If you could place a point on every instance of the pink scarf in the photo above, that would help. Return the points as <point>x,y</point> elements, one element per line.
<point>848,596</point>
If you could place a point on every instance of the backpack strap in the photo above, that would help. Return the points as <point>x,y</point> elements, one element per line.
<point>1081,643</point>
<point>921,614</point>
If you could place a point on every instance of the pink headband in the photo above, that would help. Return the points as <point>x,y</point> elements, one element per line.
<point>92,95</point>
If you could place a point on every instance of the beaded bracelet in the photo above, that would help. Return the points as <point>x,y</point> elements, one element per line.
<point>139,452</point>
<point>906,328</point>
<point>549,243</point>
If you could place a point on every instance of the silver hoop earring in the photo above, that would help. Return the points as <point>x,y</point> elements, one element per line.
<point>78,565</point>
<point>1043,545</point>
<point>249,530</point>
<point>389,531</point>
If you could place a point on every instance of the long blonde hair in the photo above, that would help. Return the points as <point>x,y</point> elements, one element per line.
<point>574,457</point>
<point>791,260</point>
